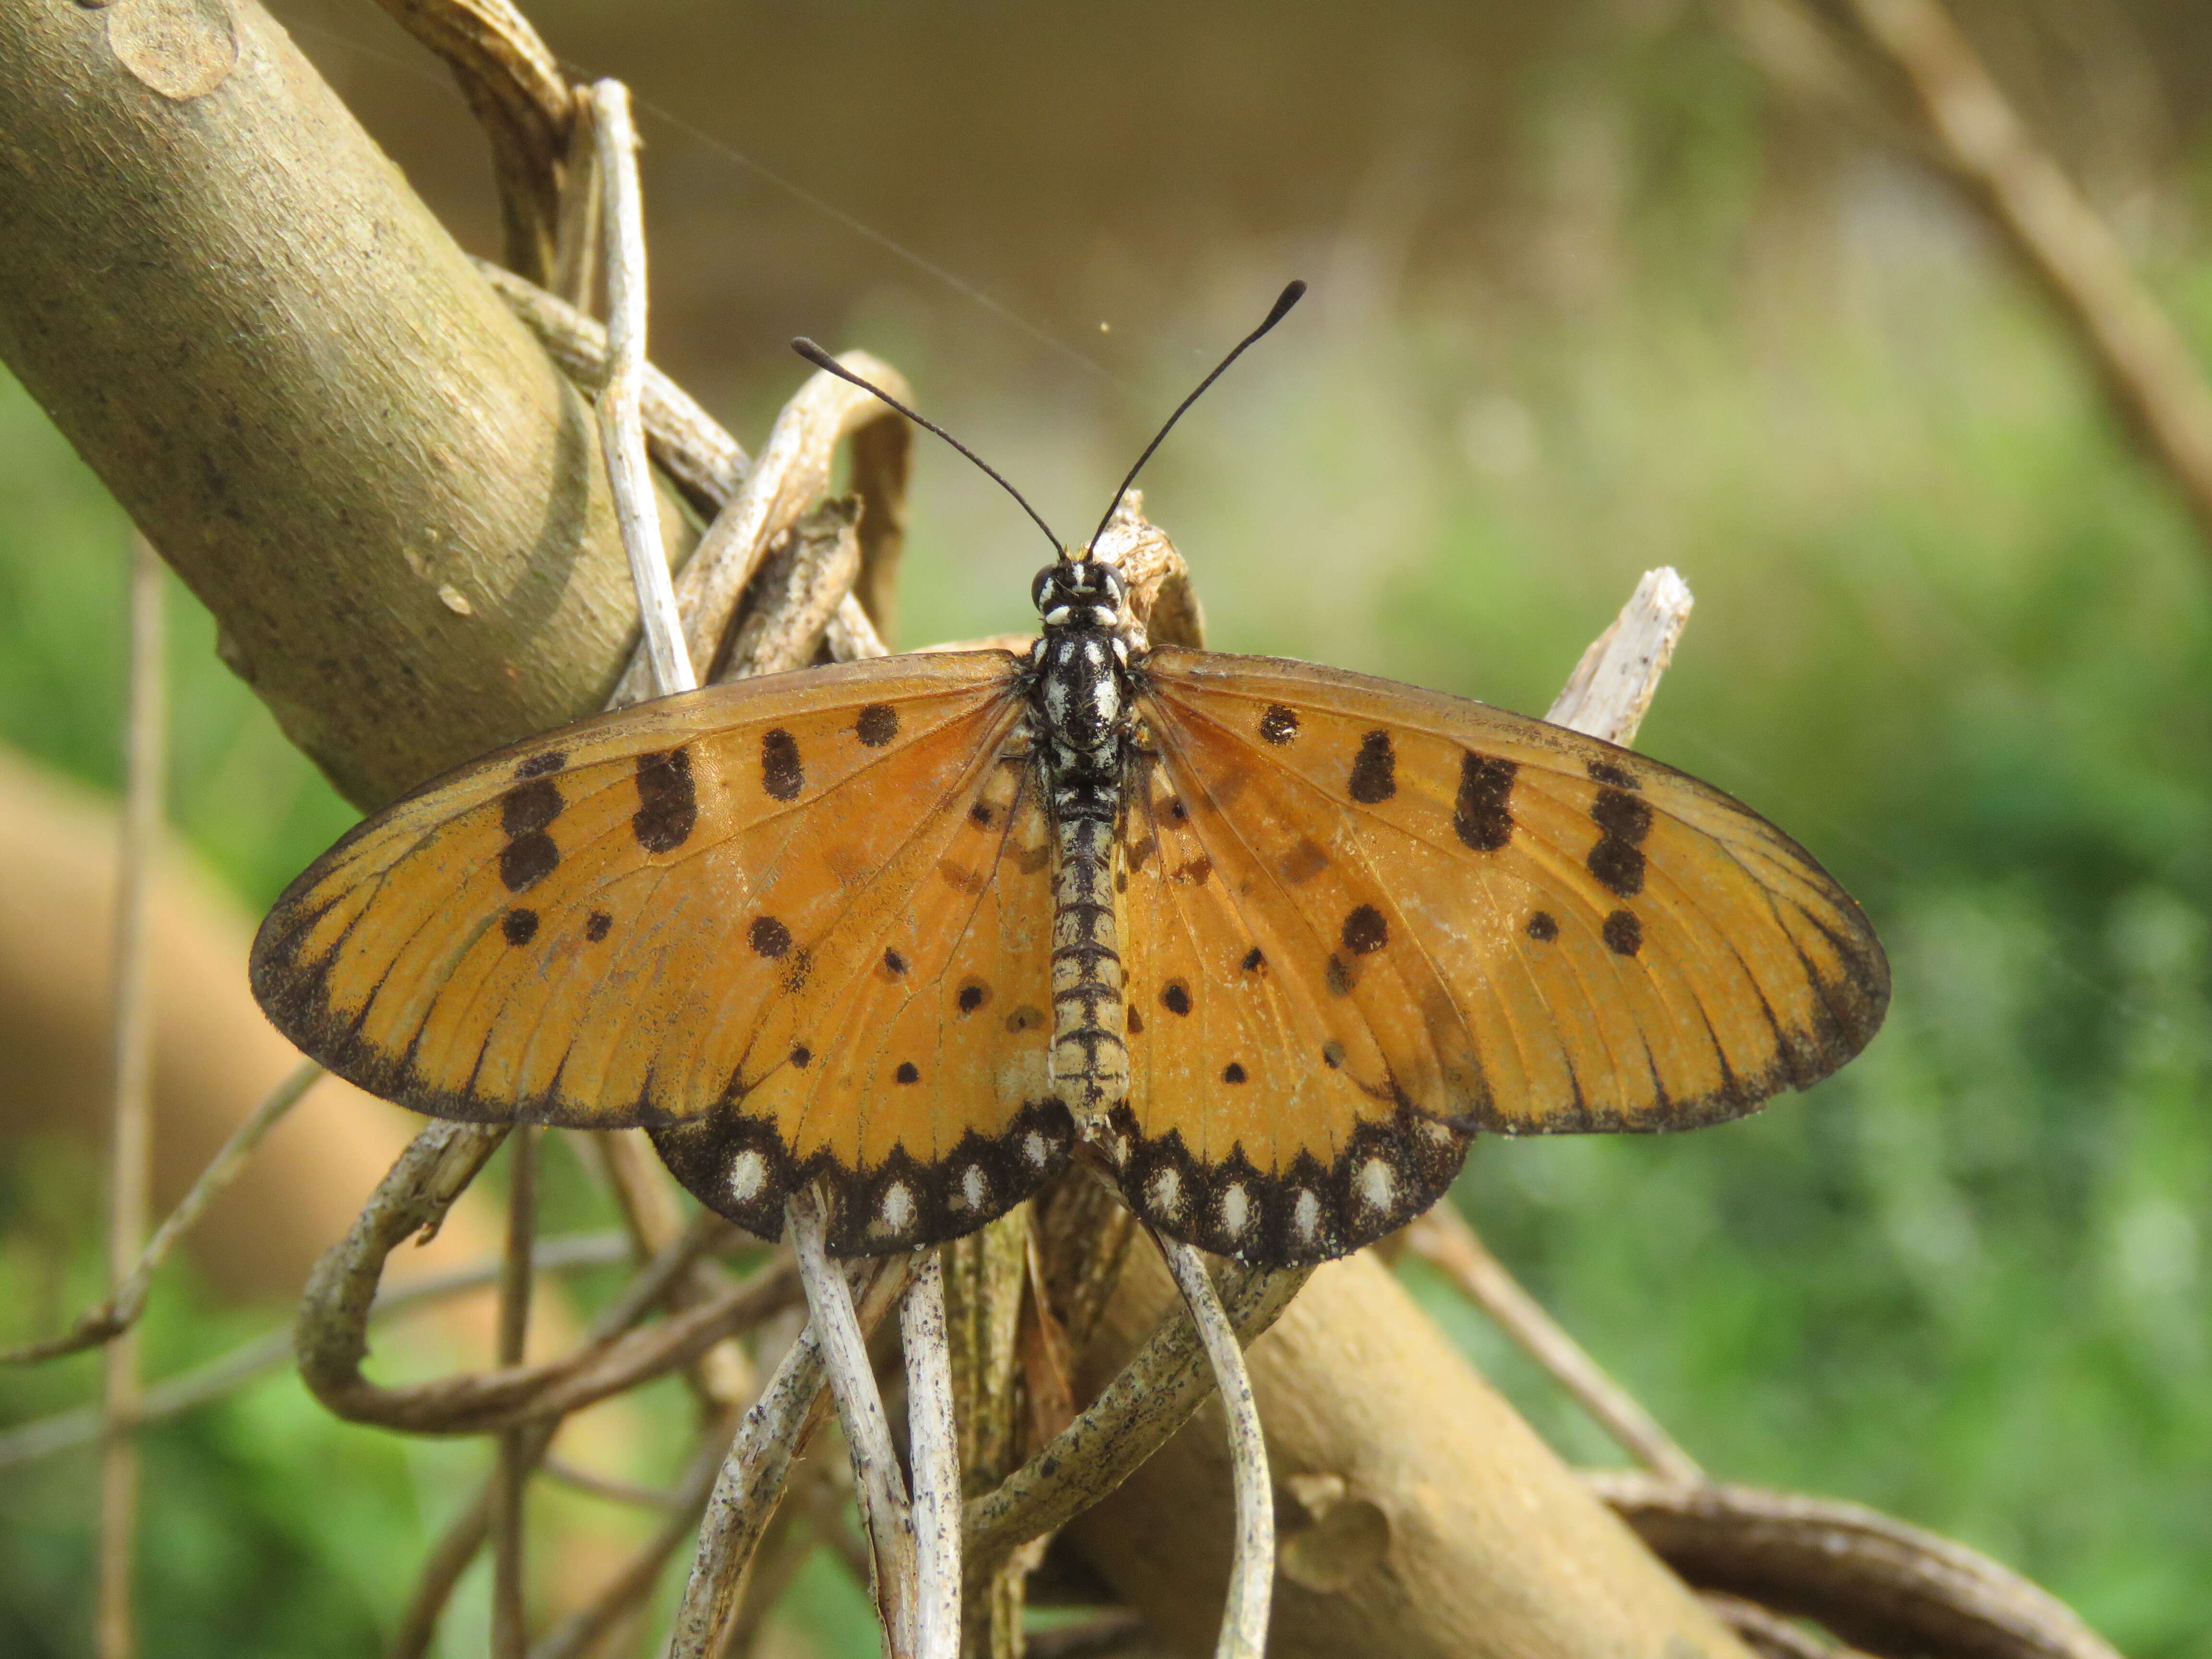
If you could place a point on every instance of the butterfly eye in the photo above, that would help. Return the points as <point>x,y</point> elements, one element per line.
<point>1041,589</point>
<point>1114,587</point>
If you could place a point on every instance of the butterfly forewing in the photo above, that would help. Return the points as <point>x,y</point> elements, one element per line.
<point>683,917</point>
<point>1468,919</point>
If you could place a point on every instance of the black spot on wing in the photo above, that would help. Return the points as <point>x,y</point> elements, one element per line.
<point>1624,933</point>
<point>1232,1073</point>
<point>1619,866</point>
<point>909,1072</point>
<point>1374,769</point>
<point>520,926</point>
<point>894,963</point>
<point>1617,860</point>
<point>1483,815</point>
<point>1279,724</point>
<point>1543,927</point>
<point>1254,960</point>
<point>1366,931</point>
<point>899,1204</point>
<point>1383,1174</point>
<point>1177,997</point>
<point>781,775</point>
<point>1604,771</point>
<point>1621,816</point>
<point>530,807</point>
<point>527,859</point>
<point>667,802</point>
<point>524,813</point>
<point>769,937</point>
<point>537,766</point>
<point>876,724</point>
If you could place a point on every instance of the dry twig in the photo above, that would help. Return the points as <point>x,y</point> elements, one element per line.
<point>1252,1564</point>
<point>120,1310</point>
<point>515,86</point>
<point>785,617</point>
<point>775,1430</point>
<point>575,1635</point>
<point>797,593</point>
<point>188,1390</point>
<point>1770,1635</point>
<point>815,1514</point>
<point>885,1512</point>
<point>716,580</point>
<point>1444,1240</point>
<point>1160,589</point>
<point>1611,688</point>
<point>644,1192</point>
<point>131,1134</point>
<point>466,1535</point>
<point>934,1446</point>
<point>331,1342</point>
<point>791,472</point>
<point>1153,1395</point>
<point>2151,375</point>
<point>516,1456</point>
<point>622,428</point>
<point>1888,1588</point>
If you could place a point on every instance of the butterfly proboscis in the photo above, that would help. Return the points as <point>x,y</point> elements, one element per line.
<point>1275,939</point>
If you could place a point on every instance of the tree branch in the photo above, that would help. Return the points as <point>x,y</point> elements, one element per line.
<point>2150,375</point>
<point>299,387</point>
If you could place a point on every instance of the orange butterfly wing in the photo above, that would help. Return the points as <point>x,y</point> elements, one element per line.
<point>797,925</point>
<point>1362,920</point>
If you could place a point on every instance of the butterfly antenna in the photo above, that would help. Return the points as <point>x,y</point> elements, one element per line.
<point>1289,297</point>
<point>828,365</point>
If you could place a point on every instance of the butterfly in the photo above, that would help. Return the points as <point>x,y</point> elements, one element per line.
<point>1274,940</point>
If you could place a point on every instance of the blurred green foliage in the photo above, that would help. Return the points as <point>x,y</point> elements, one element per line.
<point>1952,633</point>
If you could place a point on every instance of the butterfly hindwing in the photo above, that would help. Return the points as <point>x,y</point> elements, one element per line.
<point>1468,920</point>
<point>1262,1121</point>
<point>908,1071</point>
<point>679,915</point>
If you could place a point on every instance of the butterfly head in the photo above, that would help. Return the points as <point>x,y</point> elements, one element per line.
<point>1081,591</point>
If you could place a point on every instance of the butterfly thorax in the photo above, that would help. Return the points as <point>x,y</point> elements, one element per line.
<point>1080,700</point>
